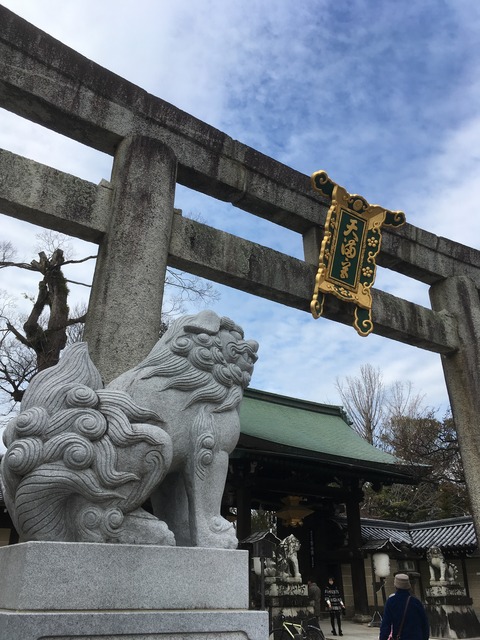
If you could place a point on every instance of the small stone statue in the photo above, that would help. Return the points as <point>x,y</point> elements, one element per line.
<point>288,564</point>
<point>81,459</point>
<point>447,572</point>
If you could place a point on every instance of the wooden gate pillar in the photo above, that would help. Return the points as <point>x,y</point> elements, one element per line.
<point>359,585</point>
<point>244,512</point>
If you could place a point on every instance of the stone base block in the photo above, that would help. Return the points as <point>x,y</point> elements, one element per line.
<point>281,588</point>
<point>158,625</point>
<point>447,594</point>
<point>134,625</point>
<point>450,621</point>
<point>74,591</point>
<point>70,576</point>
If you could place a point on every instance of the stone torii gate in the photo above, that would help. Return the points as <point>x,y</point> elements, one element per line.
<point>132,218</point>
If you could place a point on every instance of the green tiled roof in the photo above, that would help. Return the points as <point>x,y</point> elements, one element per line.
<point>299,424</point>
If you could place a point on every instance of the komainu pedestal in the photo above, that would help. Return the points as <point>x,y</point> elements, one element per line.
<point>450,611</point>
<point>448,607</point>
<point>285,594</point>
<point>67,591</point>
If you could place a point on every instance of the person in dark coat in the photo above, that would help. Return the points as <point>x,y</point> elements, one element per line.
<point>315,595</point>
<point>415,623</point>
<point>335,606</point>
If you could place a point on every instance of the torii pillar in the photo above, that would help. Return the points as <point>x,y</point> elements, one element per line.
<point>124,314</point>
<point>459,297</point>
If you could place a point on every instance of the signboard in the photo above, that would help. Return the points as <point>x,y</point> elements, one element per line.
<point>352,240</point>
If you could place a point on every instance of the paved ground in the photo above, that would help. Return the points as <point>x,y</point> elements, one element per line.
<point>355,631</point>
<point>351,631</point>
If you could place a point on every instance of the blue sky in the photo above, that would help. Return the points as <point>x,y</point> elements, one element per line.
<point>383,95</point>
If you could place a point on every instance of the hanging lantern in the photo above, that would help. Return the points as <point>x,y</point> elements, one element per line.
<point>293,513</point>
<point>381,565</point>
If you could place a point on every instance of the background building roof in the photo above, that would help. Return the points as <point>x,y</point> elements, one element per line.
<point>453,534</point>
<point>307,430</point>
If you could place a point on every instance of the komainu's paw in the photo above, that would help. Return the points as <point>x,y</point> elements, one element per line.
<point>218,534</point>
<point>143,528</point>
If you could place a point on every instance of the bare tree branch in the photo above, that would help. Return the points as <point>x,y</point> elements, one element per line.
<point>396,420</point>
<point>81,260</point>
<point>82,284</point>
<point>7,251</point>
<point>50,324</point>
<point>364,400</point>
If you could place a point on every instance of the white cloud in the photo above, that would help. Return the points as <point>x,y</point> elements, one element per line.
<point>381,95</point>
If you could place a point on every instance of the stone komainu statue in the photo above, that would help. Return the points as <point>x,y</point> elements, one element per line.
<point>440,569</point>
<point>82,459</point>
<point>287,558</point>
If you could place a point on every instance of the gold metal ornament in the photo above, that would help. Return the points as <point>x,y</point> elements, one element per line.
<point>352,240</point>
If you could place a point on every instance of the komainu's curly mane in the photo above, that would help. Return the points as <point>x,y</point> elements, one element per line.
<point>61,477</point>
<point>206,357</point>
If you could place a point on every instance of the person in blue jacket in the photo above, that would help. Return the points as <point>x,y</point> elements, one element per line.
<point>415,622</point>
